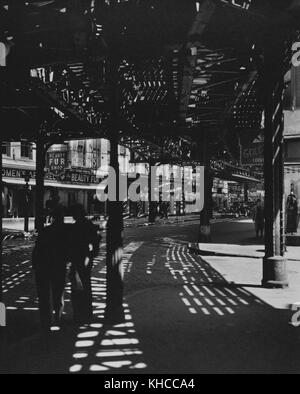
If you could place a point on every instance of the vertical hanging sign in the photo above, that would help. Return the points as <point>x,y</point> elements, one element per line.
<point>2,315</point>
<point>3,53</point>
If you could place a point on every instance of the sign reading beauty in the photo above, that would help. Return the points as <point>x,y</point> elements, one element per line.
<point>78,177</point>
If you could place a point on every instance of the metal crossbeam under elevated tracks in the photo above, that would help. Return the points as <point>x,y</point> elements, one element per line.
<point>176,81</point>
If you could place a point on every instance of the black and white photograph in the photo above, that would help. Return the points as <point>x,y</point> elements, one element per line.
<point>150,189</point>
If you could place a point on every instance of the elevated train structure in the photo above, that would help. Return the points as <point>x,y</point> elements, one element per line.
<point>175,81</point>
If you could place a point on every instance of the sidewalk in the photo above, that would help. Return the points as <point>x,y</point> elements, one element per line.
<point>238,242</point>
<point>243,251</point>
<point>242,266</point>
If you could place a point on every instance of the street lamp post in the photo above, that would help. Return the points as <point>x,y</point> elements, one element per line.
<point>26,219</point>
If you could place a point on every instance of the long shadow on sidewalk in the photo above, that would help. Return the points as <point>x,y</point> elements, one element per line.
<point>191,320</point>
<point>181,317</point>
<point>92,348</point>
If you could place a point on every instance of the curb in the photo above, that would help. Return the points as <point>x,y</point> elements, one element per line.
<point>158,223</point>
<point>193,248</point>
<point>293,240</point>
<point>10,236</point>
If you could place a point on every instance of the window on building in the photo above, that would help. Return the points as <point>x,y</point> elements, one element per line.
<point>26,150</point>
<point>292,150</point>
<point>6,148</point>
<point>80,146</point>
<point>122,151</point>
<point>81,153</point>
<point>292,92</point>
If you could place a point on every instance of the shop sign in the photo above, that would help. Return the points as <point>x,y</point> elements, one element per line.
<point>68,176</point>
<point>17,173</point>
<point>3,54</point>
<point>254,155</point>
<point>77,177</point>
<point>57,161</point>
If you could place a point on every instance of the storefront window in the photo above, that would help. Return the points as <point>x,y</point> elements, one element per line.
<point>292,150</point>
<point>26,150</point>
<point>6,148</point>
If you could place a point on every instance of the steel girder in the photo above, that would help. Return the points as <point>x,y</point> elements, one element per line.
<point>66,44</point>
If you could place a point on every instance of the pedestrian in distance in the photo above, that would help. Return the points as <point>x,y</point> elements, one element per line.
<point>49,261</point>
<point>259,219</point>
<point>164,210</point>
<point>292,214</point>
<point>51,205</point>
<point>85,241</point>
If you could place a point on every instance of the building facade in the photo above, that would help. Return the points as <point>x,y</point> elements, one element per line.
<point>72,175</point>
<point>73,172</point>
<point>18,164</point>
<point>292,135</point>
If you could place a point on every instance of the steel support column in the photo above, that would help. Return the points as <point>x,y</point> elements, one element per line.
<point>205,216</point>
<point>114,302</point>
<point>2,307</point>
<point>1,228</point>
<point>26,219</point>
<point>246,192</point>
<point>115,276</point>
<point>151,193</point>
<point>40,183</point>
<point>274,264</point>
<point>183,200</point>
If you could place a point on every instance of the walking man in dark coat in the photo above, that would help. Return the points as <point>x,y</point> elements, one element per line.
<point>50,257</point>
<point>85,247</point>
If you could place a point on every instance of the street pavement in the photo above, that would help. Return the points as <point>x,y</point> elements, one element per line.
<point>14,228</point>
<point>184,313</point>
